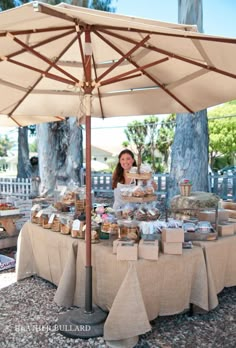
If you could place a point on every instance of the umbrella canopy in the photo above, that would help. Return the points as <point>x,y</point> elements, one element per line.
<point>138,66</point>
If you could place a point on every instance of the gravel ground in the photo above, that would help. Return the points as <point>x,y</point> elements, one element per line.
<point>29,315</point>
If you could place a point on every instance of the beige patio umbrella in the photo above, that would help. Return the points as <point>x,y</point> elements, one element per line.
<point>60,61</point>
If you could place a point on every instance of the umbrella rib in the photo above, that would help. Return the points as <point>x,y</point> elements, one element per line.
<point>173,55</point>
<point>111,81</point>
<point>158,83</point>
<point>36,31</point>
<point>185,34</point>
<point>99,93</point>
<point>41,43</point>
<point>43,73</point>
<point>82,56</point>
<point>124,56</point>
<point>40,56</point>
<point>141,69</point>
<point>40,78</point>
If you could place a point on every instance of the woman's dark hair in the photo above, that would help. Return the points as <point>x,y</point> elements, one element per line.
<point>118,175</point>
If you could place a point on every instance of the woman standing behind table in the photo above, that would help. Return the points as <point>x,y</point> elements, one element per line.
<point>119,177</point>
<point>126,161</point>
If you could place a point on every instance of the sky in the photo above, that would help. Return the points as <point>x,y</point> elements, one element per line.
<point>218,19</point>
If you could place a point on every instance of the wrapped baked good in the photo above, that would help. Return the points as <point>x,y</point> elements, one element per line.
<point>148,230</point>
<point>189,227</point>
<point>36,213</point>
<point>204,227</point>
<point>127,211</point>
<point>149,188</point>
<point>152,213</point>
<point>141,213</point>
<point>65,223</point>
<point>77,229</point>
<point>95,233</point>
<point>126,191</point>
<point>138,191</point>
<point>45,217</point>
<point>55,222</point>
<point>128,230</point>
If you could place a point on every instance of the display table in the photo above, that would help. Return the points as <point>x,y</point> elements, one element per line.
<point>220,258</point>
<point>134,292</point>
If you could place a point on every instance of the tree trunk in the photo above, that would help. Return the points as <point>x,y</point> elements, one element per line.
<point>70,168</point>
<point>23,165</point>
<point>190,147</point>
<point>60,154</point>
<point>47,153</point>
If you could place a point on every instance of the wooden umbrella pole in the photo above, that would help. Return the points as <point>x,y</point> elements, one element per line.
<point>88,265</point>
<point>87,100</point>
<point>90,316</point>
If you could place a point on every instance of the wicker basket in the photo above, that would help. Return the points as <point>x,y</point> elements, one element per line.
<point>185,189</point>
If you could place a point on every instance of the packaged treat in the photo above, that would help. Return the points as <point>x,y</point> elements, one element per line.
<point>65,223</point>
<point>95,232</point>
<point>128,230</point>
<point>141,213</point>
<point>127,211</point>
<point>152,212</point>
<point>204,227</point>
<point>36,208</point>
<point>149,189</point>
<point>138,191</point>
<point>148,230</point>
<point>45,217</point>
<point>78,227</point>
<point>189,227</point>
<point>45,223</point>
<point>55,222</point>
<point>109,227</point>
<point>126,191</point>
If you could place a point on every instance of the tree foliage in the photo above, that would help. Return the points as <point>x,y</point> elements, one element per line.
<point>222,130</point>
<point>153,138</point>
<point>5,145</point>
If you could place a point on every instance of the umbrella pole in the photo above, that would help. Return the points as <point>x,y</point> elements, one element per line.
<point>88,265</point>
<point>89,321</point>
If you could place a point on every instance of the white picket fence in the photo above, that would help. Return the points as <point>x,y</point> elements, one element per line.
<point>15,187</point>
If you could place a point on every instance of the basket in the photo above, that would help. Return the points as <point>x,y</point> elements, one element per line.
<point>185,189</point>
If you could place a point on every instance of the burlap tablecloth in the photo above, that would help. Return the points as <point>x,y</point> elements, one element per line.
<point>134,292</point>
<point>220,258</point>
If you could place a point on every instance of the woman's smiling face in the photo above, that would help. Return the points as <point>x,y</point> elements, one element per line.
<point>126,161</point>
